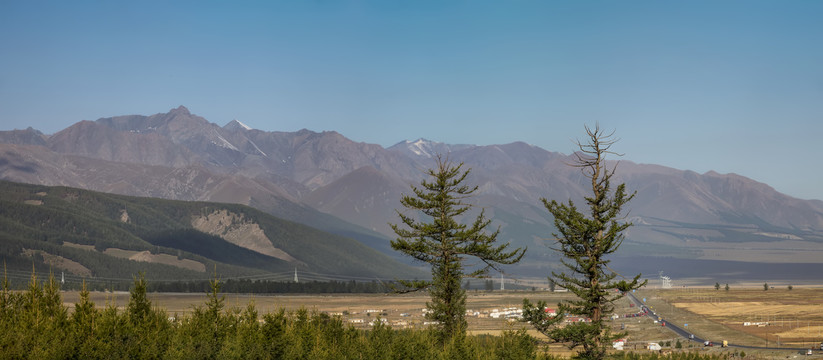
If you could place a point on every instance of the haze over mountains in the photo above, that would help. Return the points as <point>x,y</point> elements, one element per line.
<point>330,182</point>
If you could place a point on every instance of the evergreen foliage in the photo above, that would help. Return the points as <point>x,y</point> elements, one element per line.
<point>247,286</point>
<point>585,241</point>
<point>83,322</point>
<point>445,244</point>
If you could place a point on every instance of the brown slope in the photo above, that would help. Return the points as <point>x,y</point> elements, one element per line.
<point>713,198</point>
<point>178,138</point>
<point>95,140</point>
<point>365,196</point>
<point>319,159</point>
<point>28,136</point>
<point>174,139</point>
<point>38,165</point>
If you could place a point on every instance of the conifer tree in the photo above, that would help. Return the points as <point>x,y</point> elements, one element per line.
<point>146,329</point>
<point>7,300</point>
<point>216,301</point>
<point>445,244</point>
<point>585,241</point>
<point>202,335</point>
<point>83,325</point>
<point>246,341</point>
<point>139,306</point>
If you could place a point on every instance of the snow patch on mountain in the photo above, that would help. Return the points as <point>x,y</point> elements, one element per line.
<point>257,147</point>
<point>426,148</point>
<point>237,125</point>
<point>421,147</point>
<point>224,143</point>
<point>243,125</point>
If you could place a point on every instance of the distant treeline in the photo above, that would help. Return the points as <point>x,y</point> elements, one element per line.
<point>242,286</point>
<point>246,286</point>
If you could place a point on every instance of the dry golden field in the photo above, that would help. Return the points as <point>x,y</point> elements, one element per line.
<point>749,316</point>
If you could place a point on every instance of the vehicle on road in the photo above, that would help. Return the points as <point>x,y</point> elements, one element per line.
<point>708,343</point>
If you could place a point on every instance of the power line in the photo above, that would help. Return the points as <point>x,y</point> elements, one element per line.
<point>280,276</point>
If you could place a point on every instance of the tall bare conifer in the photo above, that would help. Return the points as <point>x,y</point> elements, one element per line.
<point>585,241</point>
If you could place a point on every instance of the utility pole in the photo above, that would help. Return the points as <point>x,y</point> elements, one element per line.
<point>502,282</point>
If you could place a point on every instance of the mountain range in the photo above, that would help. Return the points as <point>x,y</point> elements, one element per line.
<point>349,188</point>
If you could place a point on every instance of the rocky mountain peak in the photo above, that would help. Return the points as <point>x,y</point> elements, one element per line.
<point>29,136</point>
<point>180,110</point>
<point>236,125</point>
<point>424,148</point>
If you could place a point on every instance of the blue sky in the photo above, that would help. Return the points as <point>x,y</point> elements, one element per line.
<point>730,86</point>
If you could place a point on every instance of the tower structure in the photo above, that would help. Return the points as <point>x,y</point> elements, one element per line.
<point>665,281</point>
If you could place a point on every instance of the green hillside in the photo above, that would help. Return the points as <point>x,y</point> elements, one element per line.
<point>101,237</point>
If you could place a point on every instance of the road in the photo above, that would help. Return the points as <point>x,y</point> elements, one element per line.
<point>688,335</point>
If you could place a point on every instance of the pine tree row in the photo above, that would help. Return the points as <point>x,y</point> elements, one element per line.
<point>34,324</point>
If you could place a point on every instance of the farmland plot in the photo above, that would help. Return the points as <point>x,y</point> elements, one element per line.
<point>792,317</point>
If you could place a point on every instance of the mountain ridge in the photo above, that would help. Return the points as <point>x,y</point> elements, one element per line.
<point>91,229</point>
<point>678,212</point>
